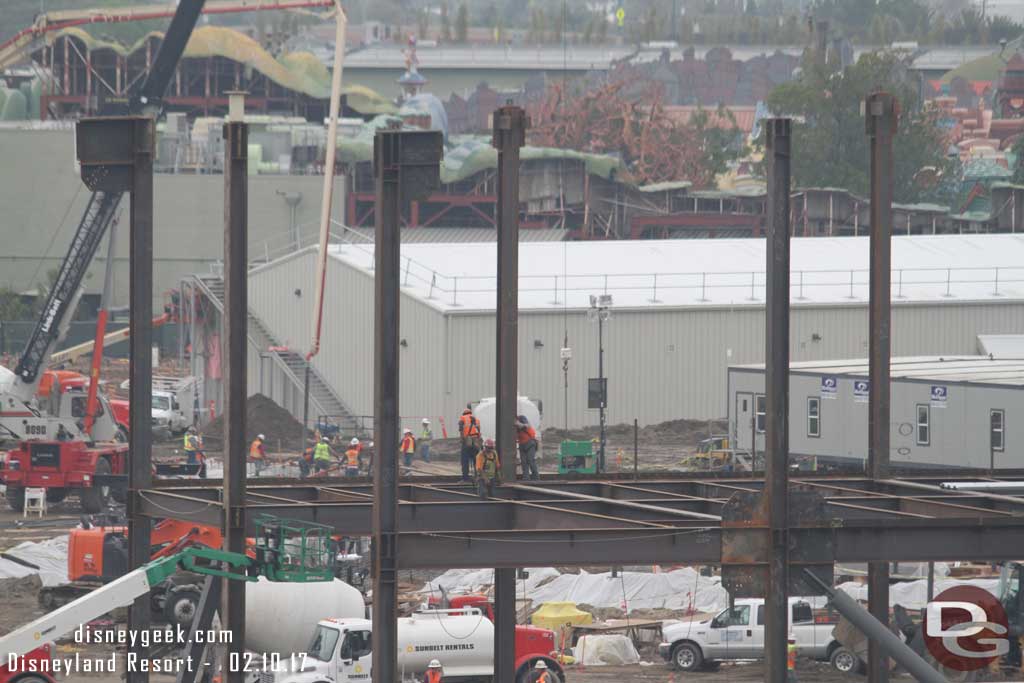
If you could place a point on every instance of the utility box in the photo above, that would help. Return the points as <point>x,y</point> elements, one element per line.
<point>577,457</point>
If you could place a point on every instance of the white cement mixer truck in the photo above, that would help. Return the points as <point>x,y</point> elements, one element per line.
<point>462,640</point>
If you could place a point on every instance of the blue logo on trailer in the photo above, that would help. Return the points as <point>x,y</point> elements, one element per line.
<point>861,389</point>
<point>829,386</point>
<point>939,395</point>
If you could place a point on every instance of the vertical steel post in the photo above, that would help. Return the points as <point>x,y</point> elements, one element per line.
<point>509,135</point>
<point>406,165</point>
<point>880,120</point>
<point>387,271</point>
<point>140,301</point>
<point>604,393</point>
<point>777,138</point>
<point>305,409</point>
<point>234,355</point>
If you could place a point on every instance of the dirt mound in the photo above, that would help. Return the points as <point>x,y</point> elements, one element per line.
<point>683,433</point>
<point>23,587</point>
<point>262,416</point>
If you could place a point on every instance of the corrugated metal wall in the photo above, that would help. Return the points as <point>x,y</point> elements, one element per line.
<point>661,364</point>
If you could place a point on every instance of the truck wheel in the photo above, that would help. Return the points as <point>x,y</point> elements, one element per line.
<point>687,657</point>
<point>180,607</point>
<point>94,498</point>
<point>16,498</point>
<point>31,679</point>
<point>845,661</point>
<point>56,495</point>
<point>122,434</point>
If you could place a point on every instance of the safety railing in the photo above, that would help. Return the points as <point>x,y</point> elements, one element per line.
<point>685,286</point>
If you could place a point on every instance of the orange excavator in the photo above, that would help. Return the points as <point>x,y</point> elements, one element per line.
<point>98,554</point>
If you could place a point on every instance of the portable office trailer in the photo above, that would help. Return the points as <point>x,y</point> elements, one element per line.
<point>946,412</point>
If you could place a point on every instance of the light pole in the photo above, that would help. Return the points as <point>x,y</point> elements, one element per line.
<point>599,310</point>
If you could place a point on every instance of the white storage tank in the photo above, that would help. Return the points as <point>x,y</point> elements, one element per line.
<point>484,412</point>
<point>281,617</point>
<point>464,644</point>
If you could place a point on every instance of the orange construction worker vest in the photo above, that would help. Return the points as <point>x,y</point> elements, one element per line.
<point>791,657</point>
<point>470,427</point>
<point>352,458</point>
<point>254,449</point>
<point>433,676</point>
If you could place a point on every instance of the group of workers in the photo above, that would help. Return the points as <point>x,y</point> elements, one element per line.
<point>484,458</point>
<point>539,674</point>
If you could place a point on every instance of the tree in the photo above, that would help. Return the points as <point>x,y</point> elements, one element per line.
<point>829,146</point>
<point>446,24</point>
<point>602,29</point>
<point>462,24</point>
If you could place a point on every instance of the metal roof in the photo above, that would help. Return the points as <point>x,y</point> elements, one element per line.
<point>1002,345</point>
<point>938,269</point>
<point>949,369</point>
<point>456,235</point>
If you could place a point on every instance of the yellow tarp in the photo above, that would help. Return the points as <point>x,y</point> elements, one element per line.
<point>555,615</point>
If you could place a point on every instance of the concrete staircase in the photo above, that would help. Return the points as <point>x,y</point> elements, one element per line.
<point>322,399</point>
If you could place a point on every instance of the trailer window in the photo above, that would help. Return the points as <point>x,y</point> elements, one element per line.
<point>997,419</point>
<point>322,645</point>
<point>814,416</point>
<point>924,425</point>
<point>760,408</point>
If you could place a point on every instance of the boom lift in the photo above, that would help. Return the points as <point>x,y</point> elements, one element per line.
<point>285,550</point>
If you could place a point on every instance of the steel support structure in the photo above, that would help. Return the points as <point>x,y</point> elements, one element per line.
<point>406,164</point>
<point>234,355</point>
<point>140,301</point>
<point>510,125</point>
<point>880,120</point>
<point>776,492</point>
<point>116,155</point>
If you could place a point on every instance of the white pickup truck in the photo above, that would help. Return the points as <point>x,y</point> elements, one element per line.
<point>739,634</point>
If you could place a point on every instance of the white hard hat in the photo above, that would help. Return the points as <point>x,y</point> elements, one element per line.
<point>540,664</point>
<point>408,431</point>
<point>434,664</point>
<point>426,421</point>
<point>354,441</point>
<point>261,437</point>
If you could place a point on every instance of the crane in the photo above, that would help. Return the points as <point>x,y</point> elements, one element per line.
<point>285,550</point>
<point>22,417</point>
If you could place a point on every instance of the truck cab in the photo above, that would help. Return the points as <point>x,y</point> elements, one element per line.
<point>167,414</point>
<point>738,633</point>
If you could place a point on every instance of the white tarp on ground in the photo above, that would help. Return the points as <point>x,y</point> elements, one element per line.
<point>51,556</point>
<point>914,594</point>
<point>681,589</point>
<point>610,650</point>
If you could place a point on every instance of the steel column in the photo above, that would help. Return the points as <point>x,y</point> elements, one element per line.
<point>405,164</point>
<point>510,124</point>
<point>234,355</point>
<point>777,139</point>
<point>880,120</point>
<point>140,302</point>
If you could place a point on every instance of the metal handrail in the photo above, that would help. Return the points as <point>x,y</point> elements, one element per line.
<point>279,362</point>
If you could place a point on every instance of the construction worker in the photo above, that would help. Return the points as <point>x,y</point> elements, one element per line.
<point>306,462</point>
<point>353,459</point>
<point>426,438</point>
<point>791,658</point>
<point>541,674</point>
<point>258,454</point>
<point>488,470</point>
<point>469,434</point>
<point>526,437</point>
<point>322,456</point>
<point>407,447</point>
<point>434,673</point>
<point>192,445</point>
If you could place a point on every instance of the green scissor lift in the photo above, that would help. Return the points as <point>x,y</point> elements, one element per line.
<point>577,457</point>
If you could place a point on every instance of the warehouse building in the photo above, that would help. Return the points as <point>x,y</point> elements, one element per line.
<point>946,411</point>
<point>682,312</point>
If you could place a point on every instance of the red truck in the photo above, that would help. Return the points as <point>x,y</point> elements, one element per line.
<point>34,667</point>
<point>532,643</point>
<point>63,468</point>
